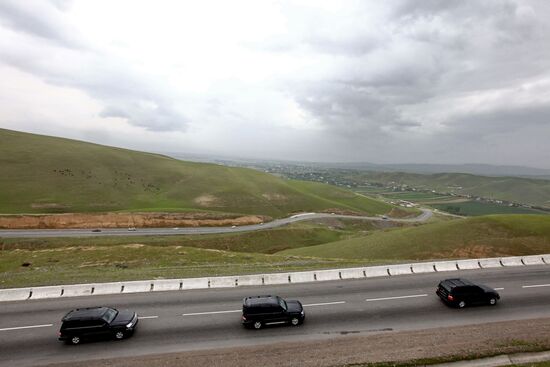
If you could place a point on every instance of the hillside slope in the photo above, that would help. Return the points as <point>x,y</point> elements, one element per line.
<point>40,174</point>
<point>494,235</point>
<point>516,189</point>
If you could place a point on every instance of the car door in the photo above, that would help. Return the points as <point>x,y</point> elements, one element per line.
<point>478,295</point>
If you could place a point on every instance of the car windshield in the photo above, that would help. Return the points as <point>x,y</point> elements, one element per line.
<point>282,303</point>
<point>110,315</point>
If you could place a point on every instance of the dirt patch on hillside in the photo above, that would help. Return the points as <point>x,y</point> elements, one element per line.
<point>442,343</point>
<point>126,220</point>
<point>208,201</point>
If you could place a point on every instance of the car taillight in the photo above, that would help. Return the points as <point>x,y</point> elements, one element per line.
<point>244,318</point>
<point>450,298</point>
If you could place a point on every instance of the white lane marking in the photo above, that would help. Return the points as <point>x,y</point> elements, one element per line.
<point>535,286</point>
<point>210,313</point>
<point>147,317</point>
<point>25,327</point>
<point>398,297</point>
<point>324,304</point>
<point>498,289</point>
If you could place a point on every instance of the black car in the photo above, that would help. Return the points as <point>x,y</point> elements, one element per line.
<point>461,292</point>
<point>260,311</point>
<point>97,323</point>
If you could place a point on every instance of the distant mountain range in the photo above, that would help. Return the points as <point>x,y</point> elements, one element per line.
<point>422,168</point>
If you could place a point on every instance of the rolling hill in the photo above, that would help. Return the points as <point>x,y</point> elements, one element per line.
<point>41,174</point>
<point>488,236</point>
<point>515,189</point>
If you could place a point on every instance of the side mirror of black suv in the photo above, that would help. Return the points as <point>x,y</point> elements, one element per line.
<point>260,311</point>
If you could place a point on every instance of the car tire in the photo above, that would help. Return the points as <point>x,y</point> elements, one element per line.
<point>119,335</point>
<point>461,304</point>
<point>295,321</point>
<point>257,325</point>
<point>492,301</point>
<point>75,340</point>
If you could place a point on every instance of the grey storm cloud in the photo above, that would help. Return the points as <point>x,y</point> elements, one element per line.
<point>79,65</point>
<point>407,77</point>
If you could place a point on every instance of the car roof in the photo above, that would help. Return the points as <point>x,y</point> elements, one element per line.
<point>90,313</point>
<point>458,282</point>
<point>260,300</point>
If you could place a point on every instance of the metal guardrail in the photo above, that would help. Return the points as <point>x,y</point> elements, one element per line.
<point>144,286</point>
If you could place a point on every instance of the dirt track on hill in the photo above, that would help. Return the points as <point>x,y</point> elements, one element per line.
<point>455,342</point>
<point>125,220</point>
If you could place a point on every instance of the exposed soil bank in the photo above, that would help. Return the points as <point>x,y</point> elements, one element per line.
<point>125,220</point>
<point>434,344</point>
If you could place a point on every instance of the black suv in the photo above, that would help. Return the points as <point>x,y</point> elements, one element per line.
<point>461,292</point>
<point>259,311</point>
<point>96,323</point>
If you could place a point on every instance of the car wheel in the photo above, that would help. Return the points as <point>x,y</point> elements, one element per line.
<point>295,321</point>
<point>119,335</point>
<point>493,301</point>
<point>75,340</point>
<point>461,304</point>
<point>257,325</point>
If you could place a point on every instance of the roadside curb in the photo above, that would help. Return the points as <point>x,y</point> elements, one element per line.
<point>157,285</point>
<point>502,360</point>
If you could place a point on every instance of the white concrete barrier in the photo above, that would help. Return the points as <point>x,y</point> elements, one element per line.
<point>400,269</point>
<point>77,290</point>
<point>194,283</point>
<point>223,282</point>
<point>250,280</point>
<point>423,268</point>
<point>532,260</point>
<point>354,273</point>
<point>511,261</point>
<point>327,275</point>
<point>490,263</point>
<point>467,264</point>
<point>302,277</point>
<point>139,286</point>
<point>20,294</point>
<point>160,285</point>
<point>277,278</point>
<point>446,266</point>
<point>46,292</point>
<point>107,288</point>
<point>15,294</point>
<point>377,271</point>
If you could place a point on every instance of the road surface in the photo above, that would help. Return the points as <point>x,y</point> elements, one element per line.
<point>41,233</point>
<point>206,319</point>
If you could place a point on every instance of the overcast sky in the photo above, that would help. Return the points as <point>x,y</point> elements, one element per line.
<point>378,81</point>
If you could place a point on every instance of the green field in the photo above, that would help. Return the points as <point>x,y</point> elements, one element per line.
<point>77,260</point>
<point>417,197</point>
<point>40,174</point>
<point>474,208</point>
<point>495,235</point>
<point>514,189</point>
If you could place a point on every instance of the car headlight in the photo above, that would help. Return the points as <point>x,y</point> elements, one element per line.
<point>302,313</point>
<point>130,324</point>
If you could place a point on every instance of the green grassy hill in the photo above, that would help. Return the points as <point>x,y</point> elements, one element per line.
<point>40,174</point>
<point>494,235</point>
<point>517,189</point>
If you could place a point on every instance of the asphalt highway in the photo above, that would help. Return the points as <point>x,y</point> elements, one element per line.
<point>206,319</point>
<point>41,233</point>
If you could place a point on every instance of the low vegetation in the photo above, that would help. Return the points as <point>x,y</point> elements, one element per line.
<point>496,235</point>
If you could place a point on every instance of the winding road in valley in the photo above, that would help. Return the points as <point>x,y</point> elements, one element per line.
<point>41,233</point>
